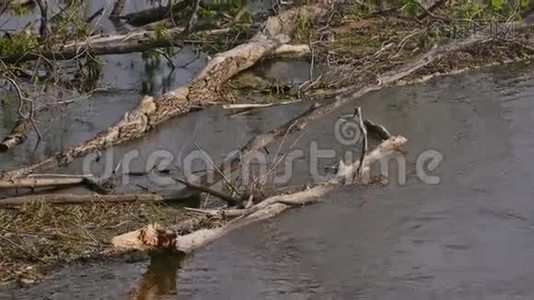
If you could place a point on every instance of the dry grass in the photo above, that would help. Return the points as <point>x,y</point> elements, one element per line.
<point>39,236</point>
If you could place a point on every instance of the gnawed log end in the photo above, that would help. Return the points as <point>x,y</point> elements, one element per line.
<point>149,238</point>
<point>4,147</point>
<point>394,144</point>
<point>11,141</point>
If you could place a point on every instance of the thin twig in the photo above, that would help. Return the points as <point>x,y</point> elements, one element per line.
<point>229,199</point>
<point>257,105</point>
<point>167,57</point>
<point>312,63</point>
<point>363,130</point>
<point>218,170</point>
<point>95,15</point>
<point>32,121</point>
<point>194,16</point>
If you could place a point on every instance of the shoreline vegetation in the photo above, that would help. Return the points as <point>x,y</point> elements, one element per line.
<point>362,47</point>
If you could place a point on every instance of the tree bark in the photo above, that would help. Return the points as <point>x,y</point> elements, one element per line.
<point>201,92</point>
<point>153,236</point>
<point>104,44</point>
<point>346,95</point>
<point>31,182</point>
<point>53,180</point>
<point>78,199</point>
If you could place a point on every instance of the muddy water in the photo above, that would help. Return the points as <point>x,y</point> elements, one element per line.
<point>126,79</point>
<point>468,237</point>
<point>10,21</point>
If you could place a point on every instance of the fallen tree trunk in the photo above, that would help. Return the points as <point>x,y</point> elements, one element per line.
<point>135,41</point>
<point>31,182</point>
<point>345,95</point>
<point>201,92</point>
<point>22,127</point>
<point>79,199</point>
<point>104,44</point>
<point>53,180</point>
<point>153,236</point>
<point>226,64</point>
<point>45,181</point>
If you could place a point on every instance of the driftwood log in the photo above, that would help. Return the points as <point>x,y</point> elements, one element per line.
<point>348,94</point>
<point>153,236</point>
<point>203,89</point>
<point>53,180</point>
<point>79,199</point>
<point>22,127</point>
<point>104,44</point>
<point>135,41</point>
<point>201,92</point>
<point>31,182</point>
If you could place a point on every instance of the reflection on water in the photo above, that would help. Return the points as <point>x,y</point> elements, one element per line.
<point>10,20</point>
<point>468,237</point>
<point>160,278</point>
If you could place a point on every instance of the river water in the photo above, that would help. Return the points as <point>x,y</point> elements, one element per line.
<point>468,237</point>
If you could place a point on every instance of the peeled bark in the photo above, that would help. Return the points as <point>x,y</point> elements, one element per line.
<point>79,199</point>
<point>153,236</point>
<point>54,181</point>
<point>104,44</point>
<point>31,182</point>
<point>346,95</point>
<point>201,92</point>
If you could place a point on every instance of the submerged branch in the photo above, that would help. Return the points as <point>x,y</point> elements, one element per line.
<point>201,92</point>
<point>227,198</point>
<point>152,237</point>
<point>346,95</point>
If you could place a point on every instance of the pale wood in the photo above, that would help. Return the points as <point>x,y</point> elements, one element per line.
<point>153,236</point>
<point>78,199</point>
<point>201,92</point>
<point>33,182</point>
<point>256,105</point>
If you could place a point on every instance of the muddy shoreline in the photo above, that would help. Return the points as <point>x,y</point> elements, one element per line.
<point>429,227</point>
<point>366,57</point>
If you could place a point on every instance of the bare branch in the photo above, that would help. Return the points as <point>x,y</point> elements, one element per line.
<point>227,198</point>
<point>363,132</point>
